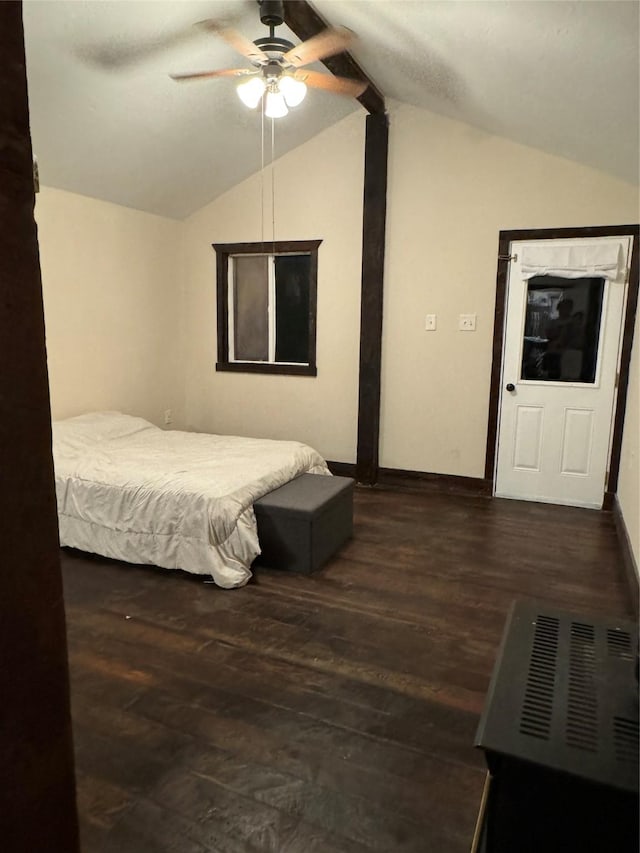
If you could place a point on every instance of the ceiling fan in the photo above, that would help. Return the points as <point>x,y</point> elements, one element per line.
<point>278,74</point>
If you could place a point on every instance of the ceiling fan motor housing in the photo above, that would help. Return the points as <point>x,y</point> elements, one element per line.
<point>273,46</point>
<point>271,12</point>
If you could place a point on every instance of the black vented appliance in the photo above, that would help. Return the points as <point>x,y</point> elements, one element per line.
<point>560,735</point>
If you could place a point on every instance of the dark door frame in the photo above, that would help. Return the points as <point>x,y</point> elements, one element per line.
<point>37,777</point>
<point>505,240</point>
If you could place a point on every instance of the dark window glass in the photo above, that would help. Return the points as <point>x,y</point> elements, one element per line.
<point>562,329</point>
<point>292,308</point>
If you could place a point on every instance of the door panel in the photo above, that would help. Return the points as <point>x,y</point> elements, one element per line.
<point>576,441</point>
<point>528,443</point>
<point>561,354</point>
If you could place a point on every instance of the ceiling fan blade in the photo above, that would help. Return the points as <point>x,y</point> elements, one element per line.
<point>336,85</point>
<point>131,52</point>
<point>224,72</point>
<point>236,40</point>
<point>327,43</point>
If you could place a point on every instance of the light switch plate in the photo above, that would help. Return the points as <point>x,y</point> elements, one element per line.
<point>467,323</point>
<point>430,323</point>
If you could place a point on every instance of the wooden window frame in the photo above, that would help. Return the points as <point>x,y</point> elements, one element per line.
<point>226,250</point>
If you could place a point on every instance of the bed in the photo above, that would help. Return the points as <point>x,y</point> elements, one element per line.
<point>131,491</point>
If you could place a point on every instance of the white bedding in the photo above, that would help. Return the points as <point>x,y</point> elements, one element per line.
<point>129,490</point>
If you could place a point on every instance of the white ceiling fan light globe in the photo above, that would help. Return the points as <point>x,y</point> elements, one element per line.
<point>294,91</point>
<point>250,91</point>
<point>275,106</point>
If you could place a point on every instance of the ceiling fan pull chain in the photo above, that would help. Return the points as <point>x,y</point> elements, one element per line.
<point>262,172</point>
<point>273,186</point>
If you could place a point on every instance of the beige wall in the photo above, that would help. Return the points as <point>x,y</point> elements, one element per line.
<point>318,195</point>
<point>451,190</point>
<point>119,336</point>
<point>629,481</point>
<point>112,299</point>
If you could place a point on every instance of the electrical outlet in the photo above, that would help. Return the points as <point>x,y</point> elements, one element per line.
<point>430,323</point>
<point>467,323</point>
<point>168,417</point>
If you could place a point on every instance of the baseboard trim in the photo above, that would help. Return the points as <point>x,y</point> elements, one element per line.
<point>418,481</point>
<point>343,469</point>
<point>628,560</point>
<point>426,482</point>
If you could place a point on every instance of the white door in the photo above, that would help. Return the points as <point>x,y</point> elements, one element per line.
<point>562,343</point>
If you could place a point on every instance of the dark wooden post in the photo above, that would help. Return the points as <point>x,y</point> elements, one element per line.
<point>373,246</point>
<point>37,788</point>
<point>304,21</point>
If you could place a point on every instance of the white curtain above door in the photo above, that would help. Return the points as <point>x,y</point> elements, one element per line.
<point>591,260</point>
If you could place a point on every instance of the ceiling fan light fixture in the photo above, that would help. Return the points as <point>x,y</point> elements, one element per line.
<point>250,91</point>
<point>275,106</point>
<point>294,91</point>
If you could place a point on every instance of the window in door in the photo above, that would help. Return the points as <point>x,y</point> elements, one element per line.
<point>267,307</point>
<point>562,329</point>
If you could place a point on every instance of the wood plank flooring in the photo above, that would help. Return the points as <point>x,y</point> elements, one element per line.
<point>327,714</point>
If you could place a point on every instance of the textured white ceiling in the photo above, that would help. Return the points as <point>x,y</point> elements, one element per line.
<point>560,76</point>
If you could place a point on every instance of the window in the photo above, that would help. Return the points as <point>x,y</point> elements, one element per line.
<point>562,329</point>
<point>266,297</point>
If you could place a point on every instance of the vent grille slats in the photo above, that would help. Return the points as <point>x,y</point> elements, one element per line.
<point>619,644</point>
<point>564,695</point>
<point>626,740</point>
<point>582,705</point>
<point>537,708</point>
<point>581,718</point>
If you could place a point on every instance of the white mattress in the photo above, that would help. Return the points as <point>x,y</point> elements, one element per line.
<point>129,490</point>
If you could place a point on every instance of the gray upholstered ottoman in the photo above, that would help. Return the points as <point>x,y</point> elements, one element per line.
<point>303,523</point>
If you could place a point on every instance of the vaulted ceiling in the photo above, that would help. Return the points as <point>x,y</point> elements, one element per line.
<point>108,122</point>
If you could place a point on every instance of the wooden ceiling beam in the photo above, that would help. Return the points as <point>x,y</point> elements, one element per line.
<point>305,22</point>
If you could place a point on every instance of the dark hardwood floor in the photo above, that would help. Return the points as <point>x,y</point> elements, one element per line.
<point>327,714</point>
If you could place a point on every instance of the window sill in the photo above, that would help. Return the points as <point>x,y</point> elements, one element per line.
<point>270,367</point>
